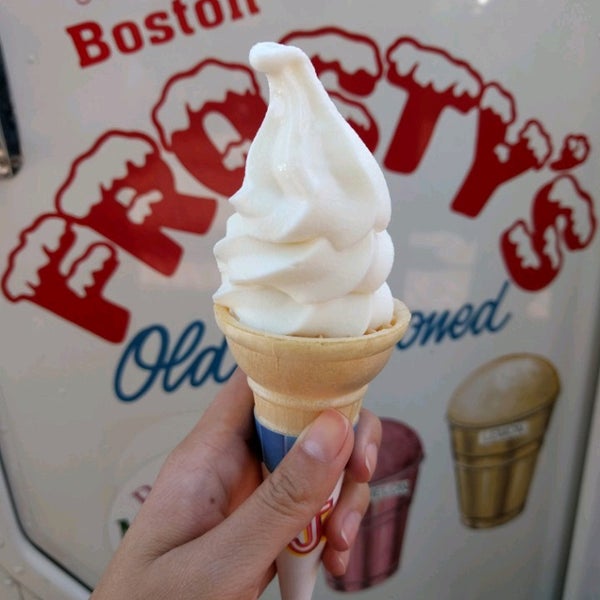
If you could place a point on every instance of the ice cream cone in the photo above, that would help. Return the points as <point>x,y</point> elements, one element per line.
<point>293,379</point>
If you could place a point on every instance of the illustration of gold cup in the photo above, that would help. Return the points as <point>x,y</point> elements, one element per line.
<point>498,417</point>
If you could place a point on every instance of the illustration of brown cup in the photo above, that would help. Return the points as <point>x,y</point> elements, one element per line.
<point>375,554</point>
<point>498,417</point>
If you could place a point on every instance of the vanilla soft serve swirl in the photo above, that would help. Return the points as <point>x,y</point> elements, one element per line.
<point>307,251</point>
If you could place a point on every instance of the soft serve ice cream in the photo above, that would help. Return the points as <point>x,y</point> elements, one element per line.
<point>307,255</point>
<point>306,252</point>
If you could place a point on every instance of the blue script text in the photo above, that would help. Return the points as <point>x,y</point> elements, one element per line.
<point>436,327</point>
<point>150,358</point>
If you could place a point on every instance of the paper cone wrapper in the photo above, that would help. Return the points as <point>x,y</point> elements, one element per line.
<point>294,379</point>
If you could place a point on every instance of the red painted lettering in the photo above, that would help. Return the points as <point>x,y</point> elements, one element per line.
<point>140,199</point>
<point>127,37</point>
<point>180,9</point>
<point>236,13</point>
<point>434,81</point>
<point>95,43</point>
<point>90,46</point>
<point>209,13</point>
<point>252,7</point>
<point>157,24</point>
<point>500,155</point>
<point>71,273</point>
<point>562,220</point>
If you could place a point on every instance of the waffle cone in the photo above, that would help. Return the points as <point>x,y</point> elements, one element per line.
<point>295,378</point>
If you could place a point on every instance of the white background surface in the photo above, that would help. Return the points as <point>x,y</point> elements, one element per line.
<point>71,447</point>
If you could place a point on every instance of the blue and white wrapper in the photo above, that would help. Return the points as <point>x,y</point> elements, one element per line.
<point>274,445</point>
<point>298,564</point>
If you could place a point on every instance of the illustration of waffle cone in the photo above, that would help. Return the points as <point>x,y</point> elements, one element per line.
<point>293,379</point>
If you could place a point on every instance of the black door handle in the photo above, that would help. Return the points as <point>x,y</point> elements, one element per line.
<point>11,158</point>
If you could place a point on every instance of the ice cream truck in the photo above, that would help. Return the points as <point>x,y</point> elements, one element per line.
<point>125,130</point>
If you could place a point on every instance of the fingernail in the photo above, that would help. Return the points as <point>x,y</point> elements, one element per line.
<point>371,453</point>
<point>324,438</point>
<point>343,558</point>
<point>350,527</point>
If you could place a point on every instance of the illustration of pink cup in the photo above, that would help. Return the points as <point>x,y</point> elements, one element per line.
<point>375,554</point>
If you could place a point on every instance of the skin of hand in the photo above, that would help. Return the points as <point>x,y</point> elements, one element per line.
<point>211,528</point>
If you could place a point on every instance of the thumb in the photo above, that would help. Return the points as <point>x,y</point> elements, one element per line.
<point>289,497</point>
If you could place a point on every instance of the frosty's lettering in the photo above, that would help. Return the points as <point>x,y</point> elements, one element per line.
<point>122,195</point>
<point>95,43</point>
<point>150,358</point>
<point>574,152</point>
<point>468,319</point>
<point>41,269</point>
<point>208,116</point>
<point>501,153</point>
<point>434,81</point>
<point>562,220</point>
<point>123,189</point>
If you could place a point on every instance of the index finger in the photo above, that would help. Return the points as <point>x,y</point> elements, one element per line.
<point>363,461</point>
<point>231,410</point>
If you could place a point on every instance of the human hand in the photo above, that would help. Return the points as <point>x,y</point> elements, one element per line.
<point>210,528</point>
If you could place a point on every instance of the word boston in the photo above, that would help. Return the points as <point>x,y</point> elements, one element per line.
<point>95,44</point>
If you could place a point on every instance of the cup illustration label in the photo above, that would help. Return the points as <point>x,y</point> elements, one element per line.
<point>498,417</point>
<point>503,432</point>
<point>391,490</point>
